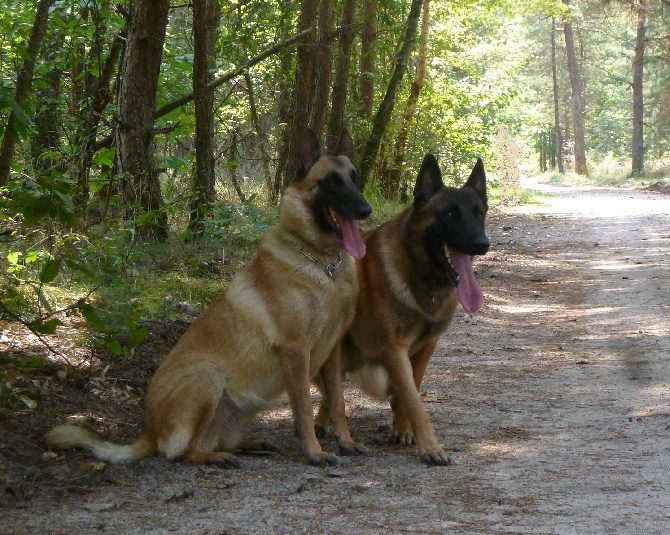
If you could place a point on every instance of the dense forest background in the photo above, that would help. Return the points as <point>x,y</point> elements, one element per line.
<point>144,142</point>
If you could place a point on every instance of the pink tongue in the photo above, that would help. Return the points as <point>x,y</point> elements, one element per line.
<point>351,235</point>
<point>469,293</point>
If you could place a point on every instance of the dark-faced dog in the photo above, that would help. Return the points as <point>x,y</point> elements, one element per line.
<point>276,326</point>
<point>417,269</point>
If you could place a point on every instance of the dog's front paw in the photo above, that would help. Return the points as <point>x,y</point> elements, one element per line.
<point>323,459</point>
<point>436,457</point>
<point>353,449</point>
<point>404,438</point>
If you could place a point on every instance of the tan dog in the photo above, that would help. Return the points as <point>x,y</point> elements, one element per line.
<point>417,268</point>
<point>274,328</point>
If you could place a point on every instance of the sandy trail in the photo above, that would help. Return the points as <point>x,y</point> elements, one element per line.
<point>554,401</point>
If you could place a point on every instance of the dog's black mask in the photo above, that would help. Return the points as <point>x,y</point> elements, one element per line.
<point>458,215</point>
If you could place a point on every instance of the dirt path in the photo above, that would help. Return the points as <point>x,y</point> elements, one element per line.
<point>554,400</point>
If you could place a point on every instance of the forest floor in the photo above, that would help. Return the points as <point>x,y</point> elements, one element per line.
<point>553,401</point>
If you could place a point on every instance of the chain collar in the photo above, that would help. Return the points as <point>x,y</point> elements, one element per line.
<point>328,268</point>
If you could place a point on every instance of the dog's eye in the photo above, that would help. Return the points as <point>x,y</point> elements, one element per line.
<point>355,178</point>
<point>451,212</point>
<point>333,179</point>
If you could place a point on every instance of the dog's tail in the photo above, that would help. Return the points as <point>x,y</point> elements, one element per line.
<point>373,379</point>
<point>65,437</point>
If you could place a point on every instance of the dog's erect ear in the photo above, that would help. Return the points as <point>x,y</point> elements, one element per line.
<point>346,146</point>
<point>429,181</point>
<point>477,181</point>
<point>309,153</point>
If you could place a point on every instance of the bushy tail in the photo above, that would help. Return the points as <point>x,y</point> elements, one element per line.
<point>64,437</point>
<point>373,379</point>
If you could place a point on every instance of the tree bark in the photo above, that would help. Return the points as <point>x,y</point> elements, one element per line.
<point>260,134</point>
<point>303,91</point>
<point>341,83</point>
<point>393,183</point>
<point>385,110</point>
<point>96,98</point>
<point>205,23</point>
<point>368,39</point>
<point>323,67</point>
<point>140,187</point>
<point>576,99</point>
<point>23,85</point>
<point>557,115</point>
<point>638,91</point>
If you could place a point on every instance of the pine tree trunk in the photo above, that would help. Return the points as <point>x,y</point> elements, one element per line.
<point>393,183</point>
<point>260,134</point>
<point>385,110</point>
<point>638,92</point>
<point>137,102</point>
<point>205,22</point>
<point>368,39</point>
<point>23,85</point>
<point>576,99</point>
<point>323,67</point>
<point>303,91</point>
<point>557,115</point>
<point>341,83</point>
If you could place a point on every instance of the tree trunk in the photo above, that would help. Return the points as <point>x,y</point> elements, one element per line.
<point>577,98</point>
<point>385,110</point>
<point>205,22</point>
<point>341,84</point>
<point>137,102</point>
<point>23,85</point>
<point>260,134</point>
<point>393,183</point>
<point>368,39</point>
<point>638,91</point>
<point>45,142</point>
<point>557,116</point>
<point>232,165</point>
<point>323,67</point>
<point>96,98</point>
<point>303,91</point>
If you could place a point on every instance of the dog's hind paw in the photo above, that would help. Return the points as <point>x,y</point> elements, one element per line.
<point>324,459</point>
<point>436,457</point>
<point>227,462</point>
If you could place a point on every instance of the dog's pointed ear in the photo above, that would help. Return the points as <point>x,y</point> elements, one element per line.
<point>309,153</point>
<point>477,181</point>
<point>346,146</point>
<point>429,181</point>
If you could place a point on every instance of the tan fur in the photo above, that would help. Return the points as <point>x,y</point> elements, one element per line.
<point>409,295</point>
<point>272,330</point>
<point>397,325</point>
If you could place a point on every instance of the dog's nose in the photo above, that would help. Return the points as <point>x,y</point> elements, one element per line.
<point>363,211</point>
<point>482,246</point>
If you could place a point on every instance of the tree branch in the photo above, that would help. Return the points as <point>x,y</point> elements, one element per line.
<point>234,73</point>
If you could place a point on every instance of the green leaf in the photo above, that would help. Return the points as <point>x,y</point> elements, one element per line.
<point>50,270</point>
<point>44,327</point>
<point>13,257</point>
<point>43,299</point>
<point>114,346</point>
<point>91,315</point>
<point>137,337</point>
<point>30,363</point>
<point>104,157</point>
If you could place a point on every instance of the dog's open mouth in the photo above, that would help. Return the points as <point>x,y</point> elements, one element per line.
<point>349,231</point>
<point>459,269</point>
